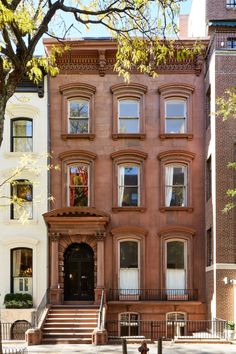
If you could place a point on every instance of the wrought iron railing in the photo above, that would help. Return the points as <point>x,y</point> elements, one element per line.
<point>37,314</point>
<point>152,295</point>
<point>168,330</point>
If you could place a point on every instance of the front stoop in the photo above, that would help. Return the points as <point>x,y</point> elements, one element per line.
<point>69,325</point>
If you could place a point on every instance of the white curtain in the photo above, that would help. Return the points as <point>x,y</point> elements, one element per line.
<point>129,278</point>
<point>16,262</point>
<point>169,172</point>
<point>176,279</point>
<point>121,184</point>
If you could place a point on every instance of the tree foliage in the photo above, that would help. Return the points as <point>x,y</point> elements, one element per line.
<point>226,108</point>
<point>138,26</point>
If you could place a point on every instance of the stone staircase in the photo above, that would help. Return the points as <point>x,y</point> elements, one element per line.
<point>69,325</point>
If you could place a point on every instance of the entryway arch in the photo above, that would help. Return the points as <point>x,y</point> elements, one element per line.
<point>79,272</point>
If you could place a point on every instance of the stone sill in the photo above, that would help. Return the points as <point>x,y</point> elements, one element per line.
<point>140,136</point>
<point>176,136</point>
<point>77,136</point>
<point>131,208</point>
<point>176,208</point>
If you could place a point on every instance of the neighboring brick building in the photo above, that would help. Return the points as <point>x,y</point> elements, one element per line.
<point>220,228</point>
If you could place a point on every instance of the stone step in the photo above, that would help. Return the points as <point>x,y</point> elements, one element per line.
<point>66,341</point>
<point>69,324</point>
<point>47,330</point>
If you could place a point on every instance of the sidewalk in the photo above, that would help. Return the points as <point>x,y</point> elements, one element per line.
<point>168,348</point>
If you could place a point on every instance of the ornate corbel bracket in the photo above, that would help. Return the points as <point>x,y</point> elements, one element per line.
<point>101,62</point>
<point>199,64</point>
<point>100,235</point>
<point>54,236</point>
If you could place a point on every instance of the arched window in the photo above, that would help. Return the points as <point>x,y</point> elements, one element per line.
<point>22,270</point>
<point>22,197</point>
<point>22,135</point>
<point>175,321</point>
<point>128,185</point>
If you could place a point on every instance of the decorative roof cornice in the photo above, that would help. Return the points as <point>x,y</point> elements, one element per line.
<point>97,56</point>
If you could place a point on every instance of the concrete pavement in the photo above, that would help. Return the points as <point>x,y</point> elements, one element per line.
<point>168,348</point>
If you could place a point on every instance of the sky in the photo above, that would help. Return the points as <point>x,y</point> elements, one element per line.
<point>96,31</point>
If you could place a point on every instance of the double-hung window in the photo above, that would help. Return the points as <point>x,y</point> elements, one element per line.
<point>22,199</point>
<point>78,178</point>
<point>129,185</point>
<point>129,116</point>
<point>21,135</point>
<point>175,185</point>
<point>231,42</point>
<point>175,116</point>
<point>78,116</point>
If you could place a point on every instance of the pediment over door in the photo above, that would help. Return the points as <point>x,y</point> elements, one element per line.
<point>76,220</point>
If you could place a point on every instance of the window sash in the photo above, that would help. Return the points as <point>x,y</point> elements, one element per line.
<point>129,123</point>
<point>79,193</point>
<point>175,123</point>
<point>128,194</point>
<point>22,135</point>
<point>175,192</point>
<point>231,3</point>
<point>79,124</point>
<point>24,208</point>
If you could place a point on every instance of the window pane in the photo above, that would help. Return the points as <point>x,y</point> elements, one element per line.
<point>22,128</point>
<point>128,108</point>
<point>23,193</point>
<point>22,131</point>
<point>78,126</point>
<point>175,109</point>
<point>129,196</point>
<point>79,109</point>
<point>175,185</point>
<point>175,126</point>
<point>129,254</point>
<point>131,176</point>
<point>78,190</point>
<point>179,175</point>
<point>128,186</point>
<point>175,255</point>
<point>129,125</point>
<point>22,262</point>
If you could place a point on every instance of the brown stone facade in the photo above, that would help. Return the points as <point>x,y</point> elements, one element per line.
<point>148,221</point>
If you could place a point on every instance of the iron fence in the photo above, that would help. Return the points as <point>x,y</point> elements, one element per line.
<point>167,330</point>
<point>14,331</point>
<point>152,295</point>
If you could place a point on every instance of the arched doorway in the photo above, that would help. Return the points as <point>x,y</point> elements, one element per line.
<point>79,273</point>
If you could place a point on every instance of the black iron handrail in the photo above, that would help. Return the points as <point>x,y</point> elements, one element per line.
<point>152,295</point>
<point>37,314</point>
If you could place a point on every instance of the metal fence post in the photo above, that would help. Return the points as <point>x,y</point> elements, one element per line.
<point>159,346</point>
<point>124,346</point>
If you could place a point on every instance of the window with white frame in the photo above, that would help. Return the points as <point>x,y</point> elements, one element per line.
<point>22,265</point>
<point>231,3</point>
<point>176,267</point>
<point>129,324</point>
<point>78,112</point>
<point>21,199</point>
<point>129,185</point>
<point>175,116</point>
<point>128,116</point>
<point>21,135</point>
<point>175,185</point>
<point>129,266</point>
<point>78,183</point>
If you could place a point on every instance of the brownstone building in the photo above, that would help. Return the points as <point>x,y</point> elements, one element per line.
<point>128,215</point>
